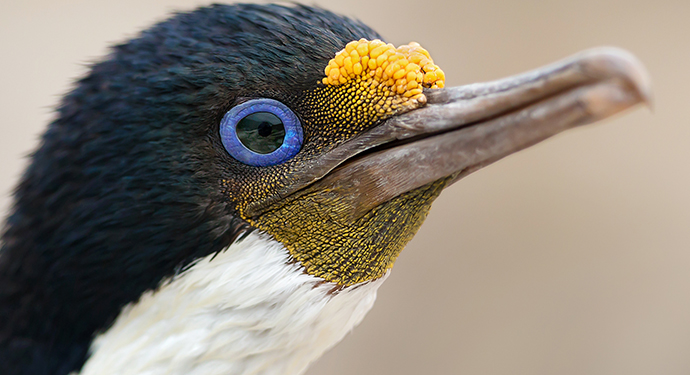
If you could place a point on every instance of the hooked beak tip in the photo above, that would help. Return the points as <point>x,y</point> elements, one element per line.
<point>611,61</point>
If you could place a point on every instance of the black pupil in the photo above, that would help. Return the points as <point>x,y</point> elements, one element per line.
<point>261,132</point>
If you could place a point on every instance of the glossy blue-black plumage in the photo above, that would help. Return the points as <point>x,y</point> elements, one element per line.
<point>123,191</point>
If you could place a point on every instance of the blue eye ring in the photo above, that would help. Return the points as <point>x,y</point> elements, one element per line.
<point>292,141</point>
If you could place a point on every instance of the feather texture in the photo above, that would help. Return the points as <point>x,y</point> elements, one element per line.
<point>248,310</point>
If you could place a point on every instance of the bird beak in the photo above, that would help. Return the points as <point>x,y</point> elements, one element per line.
<point>463,129</point>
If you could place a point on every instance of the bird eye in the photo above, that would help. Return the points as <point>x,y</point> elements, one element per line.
<point>261,132</point>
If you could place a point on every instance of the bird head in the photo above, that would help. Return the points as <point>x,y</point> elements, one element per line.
<point>291,121</point>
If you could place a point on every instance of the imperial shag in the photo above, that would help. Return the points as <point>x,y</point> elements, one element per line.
<point>225,193</point>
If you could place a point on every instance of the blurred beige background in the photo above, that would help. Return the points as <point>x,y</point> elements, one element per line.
<point>572,257</point>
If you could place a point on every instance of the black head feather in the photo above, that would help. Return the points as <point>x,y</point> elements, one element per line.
<point>124,189</point>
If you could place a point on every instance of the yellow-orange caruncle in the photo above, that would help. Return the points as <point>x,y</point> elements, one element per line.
<point>395,76</point>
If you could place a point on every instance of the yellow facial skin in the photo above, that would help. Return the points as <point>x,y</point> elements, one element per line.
<point>394,76</point>
<point>365,83</point>
<point>320,234</point>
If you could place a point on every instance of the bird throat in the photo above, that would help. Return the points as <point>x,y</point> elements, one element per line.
<point>239,311</point>
<point>322,235</point>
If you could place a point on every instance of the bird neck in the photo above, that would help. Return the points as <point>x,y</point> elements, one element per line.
<point>247,309</point>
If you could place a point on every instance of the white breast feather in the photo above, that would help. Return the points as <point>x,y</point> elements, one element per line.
<point>246,311</point>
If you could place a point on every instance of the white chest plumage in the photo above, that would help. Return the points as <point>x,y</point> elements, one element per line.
<point>244,311</point>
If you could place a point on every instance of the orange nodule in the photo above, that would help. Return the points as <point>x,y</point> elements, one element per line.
<point>402,71</point>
